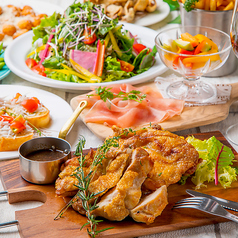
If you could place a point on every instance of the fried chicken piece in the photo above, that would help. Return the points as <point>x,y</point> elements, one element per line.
<point>172,155</point>
<point>115,204</point>
<point>150,206</point>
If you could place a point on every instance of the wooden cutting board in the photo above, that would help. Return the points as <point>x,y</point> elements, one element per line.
<point>39,222</point>
<point>190,117</point>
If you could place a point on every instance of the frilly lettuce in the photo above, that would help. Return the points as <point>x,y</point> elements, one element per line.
<point>216,164</point>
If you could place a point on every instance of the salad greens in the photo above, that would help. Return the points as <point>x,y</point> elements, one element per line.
<point>86,31</point>
<point>216,164</point>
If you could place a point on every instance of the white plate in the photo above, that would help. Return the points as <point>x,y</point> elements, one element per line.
<point>21,47</point>
<point>158,15</point>
<point>60,111</point>
<point>37,5</point>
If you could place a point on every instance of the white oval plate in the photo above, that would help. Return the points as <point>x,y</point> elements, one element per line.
<point>158,15</point>
<point>60,111</point>
<point>21,46</point>
<point>37,5</point>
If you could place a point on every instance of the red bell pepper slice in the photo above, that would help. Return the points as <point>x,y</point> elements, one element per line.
<point>98,69</point>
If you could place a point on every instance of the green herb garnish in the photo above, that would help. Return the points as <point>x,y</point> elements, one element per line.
<point>105,93</point>
<point>189,5</point>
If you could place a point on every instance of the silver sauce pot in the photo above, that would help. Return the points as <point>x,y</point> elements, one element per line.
<point>41,171</point>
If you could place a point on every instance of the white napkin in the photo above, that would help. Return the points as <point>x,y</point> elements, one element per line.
<point>223,91</point>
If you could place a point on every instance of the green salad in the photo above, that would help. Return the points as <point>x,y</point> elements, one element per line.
<point>85,46</point>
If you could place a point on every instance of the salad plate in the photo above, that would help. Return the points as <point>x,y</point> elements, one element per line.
<point>21,47</point>
<point>151,18</point>
<point>60,111</point>
<point>37,5</point>
<point>5,70</point>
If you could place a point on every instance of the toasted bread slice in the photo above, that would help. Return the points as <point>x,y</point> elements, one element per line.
<point>13,143</point>
<point>39,119</point>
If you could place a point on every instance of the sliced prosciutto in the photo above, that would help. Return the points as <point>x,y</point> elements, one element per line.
<point>84,58</point>
<point>130,113</point>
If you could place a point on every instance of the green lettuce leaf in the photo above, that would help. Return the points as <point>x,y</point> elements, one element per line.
<point>47,23</point>
<point>213,153</point>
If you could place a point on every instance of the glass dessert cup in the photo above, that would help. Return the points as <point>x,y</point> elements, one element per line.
<point>192,67</point>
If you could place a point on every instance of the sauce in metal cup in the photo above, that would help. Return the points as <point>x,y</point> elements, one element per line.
<point>41,159</point>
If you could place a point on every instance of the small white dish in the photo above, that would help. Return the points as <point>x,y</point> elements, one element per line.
<point>60,111</point>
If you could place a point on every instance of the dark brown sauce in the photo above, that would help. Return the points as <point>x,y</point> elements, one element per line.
<point>45,155</point>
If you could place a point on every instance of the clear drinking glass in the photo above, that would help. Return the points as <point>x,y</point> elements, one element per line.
<point>191,88</point>
<point>232,131</point>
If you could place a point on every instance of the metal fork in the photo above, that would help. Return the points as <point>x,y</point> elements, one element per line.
<point>206,205</point>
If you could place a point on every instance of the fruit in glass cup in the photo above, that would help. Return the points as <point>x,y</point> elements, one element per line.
<point>188,45</point>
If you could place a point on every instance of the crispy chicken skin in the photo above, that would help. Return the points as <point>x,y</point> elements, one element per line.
<point>116,204</point>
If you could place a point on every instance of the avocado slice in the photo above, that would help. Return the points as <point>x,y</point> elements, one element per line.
<point>186,45</point>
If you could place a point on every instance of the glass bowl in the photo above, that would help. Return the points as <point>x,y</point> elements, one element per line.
<point>193,66</point>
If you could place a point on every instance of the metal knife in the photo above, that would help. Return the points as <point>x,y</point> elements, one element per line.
<point>230,205</point>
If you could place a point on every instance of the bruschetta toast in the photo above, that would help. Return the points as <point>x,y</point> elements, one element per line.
<point>31,108</point>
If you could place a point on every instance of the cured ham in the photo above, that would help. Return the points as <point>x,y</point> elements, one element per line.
<point>130,113</point>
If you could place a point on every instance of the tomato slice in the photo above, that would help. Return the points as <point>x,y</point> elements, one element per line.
<point>16,97</point>
<point>139,47</point>
<point>17,127</point>
<point>20,118</point>
<point>30,63</point>
<point>30,104</point>
<point>89,38</point>
<point>127,67</point>
<point>6,118</point>
<point>39,69</point>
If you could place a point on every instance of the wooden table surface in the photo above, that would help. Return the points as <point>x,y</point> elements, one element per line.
<point>228,229</point>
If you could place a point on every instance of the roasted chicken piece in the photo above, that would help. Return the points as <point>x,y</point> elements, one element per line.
<point>172,155</point>
<point>115,204</point>
<point>145,161</point>
<point>150,206</point>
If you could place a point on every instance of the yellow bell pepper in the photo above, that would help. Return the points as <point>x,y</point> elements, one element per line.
<point>114,44</point>
<point>85,72</point>
<point>36,50</point>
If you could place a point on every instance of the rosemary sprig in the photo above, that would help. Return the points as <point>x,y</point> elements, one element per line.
<point>105,93</point>
<point>89,199</point>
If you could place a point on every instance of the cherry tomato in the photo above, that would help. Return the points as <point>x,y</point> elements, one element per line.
<point>30,104</point>
<point>6,118</point>
<point>139,47</point>
<point>30,63</point>
<point>127,67</point>
<point>89,38</point>
<point>17,127</point>
<point>39,69</point>
<point>20,118</point>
